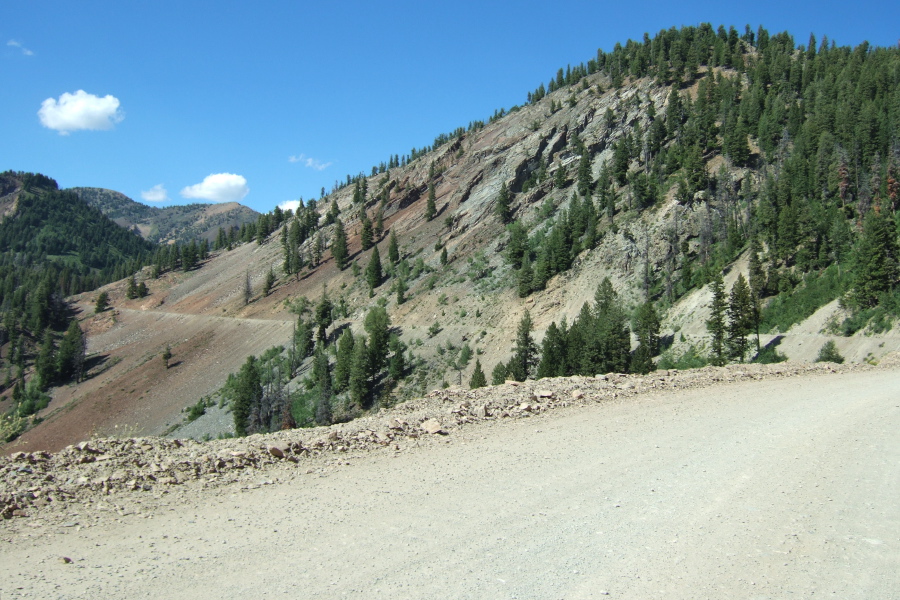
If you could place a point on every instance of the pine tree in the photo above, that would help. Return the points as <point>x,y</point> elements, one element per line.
<point>430,208</point>
<point>366,233</point>
<point>715,325</point>
<point>524,358</point>
<point>71,353</point>
<point>502,209</point>
<point>525,278</point>
<point>608,340</point>
<point>102,303</point>
<point>585,176</point>
<point>393,249</point>
<point>248,288</point>
<point>323,316</point>
<point>360,372</point>
<point>373,270</point>
<point>646,327</point>
<point>378,325</point>
<point>553,353</point>
<point>875,261</point>
<point>339,245</point>
<point>397,363</point>
<point>740,318</point>
<point>322,377</point>
<point>167,356</point>
<point>478,379</point>
<point>131,291</point>
<point>498,375</point>
<point>401,290</point>
<point>269,282</point>
<point>343,361</point>
<point>378,228</point>
<point>247,394</point>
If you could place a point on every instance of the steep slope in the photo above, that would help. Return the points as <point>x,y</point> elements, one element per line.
<point>181,223</point>
<point>633,173</point>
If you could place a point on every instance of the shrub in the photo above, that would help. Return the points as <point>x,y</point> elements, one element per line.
<point>829,353</point>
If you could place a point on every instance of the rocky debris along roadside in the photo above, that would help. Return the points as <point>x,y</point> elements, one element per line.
<point>31,483</point>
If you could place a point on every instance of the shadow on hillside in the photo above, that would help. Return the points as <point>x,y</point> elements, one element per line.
<point>95,365</point>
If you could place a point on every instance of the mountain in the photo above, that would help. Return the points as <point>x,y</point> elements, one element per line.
<point>585,231</point>
<point>170,224</point>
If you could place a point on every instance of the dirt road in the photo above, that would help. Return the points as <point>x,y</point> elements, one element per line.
<point>771,489</point>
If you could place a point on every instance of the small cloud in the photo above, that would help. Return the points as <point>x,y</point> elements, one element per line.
<point>291,205</point>
<point>15,44</point>
<point>157,193</point>
<point>219,187</point>
<point>74,112</point>
<point>311,163</point>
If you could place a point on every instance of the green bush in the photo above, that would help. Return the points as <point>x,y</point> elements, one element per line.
<point>689,359</point>
<point>769,355</point>
<point>829,353</point>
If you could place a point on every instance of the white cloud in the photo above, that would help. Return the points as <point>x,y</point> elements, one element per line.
<point>311,163</point>
<point>80,110</point>
<point>16,44</point>
<point>292,205</point>
<point>219,187</point>
<point>157,193</point>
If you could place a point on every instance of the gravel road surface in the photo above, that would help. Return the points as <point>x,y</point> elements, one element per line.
<point>785,488</point>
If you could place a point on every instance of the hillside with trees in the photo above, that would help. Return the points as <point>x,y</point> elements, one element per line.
<point>680,201</point>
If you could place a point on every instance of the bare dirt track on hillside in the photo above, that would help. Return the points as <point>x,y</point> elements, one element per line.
<point>752,489</point>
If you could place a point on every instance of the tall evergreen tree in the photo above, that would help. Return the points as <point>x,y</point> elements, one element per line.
<point>393,249</point>
<point>478,380</point>
<point>344,361</point>
<point>373,270</point>
<point>366,230</point>
<point>247,394</point>
<point>525,357</point>
<point>715,325</point>
<point>740,318</point>
<point>876,255</point>
<point>322,377</point>
<point>430,207</point>
<point>646,327</point>
<point>502,208</point>
<point>378,325</point>
<point>360,373</point>
<point>339,245</point>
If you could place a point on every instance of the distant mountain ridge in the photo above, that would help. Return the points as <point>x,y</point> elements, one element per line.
<point>170,224</point>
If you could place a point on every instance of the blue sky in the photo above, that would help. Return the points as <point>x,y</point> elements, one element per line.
<point>266,102</point>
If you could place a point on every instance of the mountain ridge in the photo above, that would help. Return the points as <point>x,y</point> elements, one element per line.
<point>178,224</point>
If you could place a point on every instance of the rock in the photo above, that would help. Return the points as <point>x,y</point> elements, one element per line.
<point>544,394</point>
<point>601,377</point>
<point>18,456</point>
<point>511,382</point>
<point>525,407</point>
<point>577,394</point>
<point>276,451</point>
<point>482,411</point>
<point>65,560</point>
<point>432,426</point>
